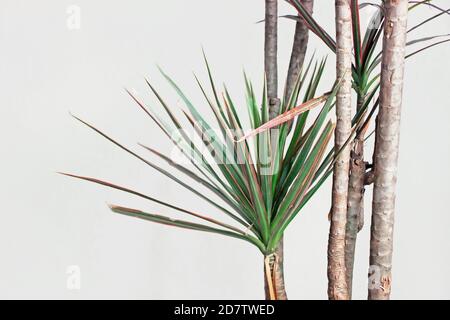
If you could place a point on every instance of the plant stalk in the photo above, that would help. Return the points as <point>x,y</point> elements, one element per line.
<point>355,202</point>
<point>386,148</point>
<point>270,56</point>
<point>273,276</point>
<point>337,283</point>
<point>299,48</point>
<point>271,69</point>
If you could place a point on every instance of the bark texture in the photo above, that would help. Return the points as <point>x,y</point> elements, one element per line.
<point>275,266</point>
<point>270,56</point>
<point>355,201</point>
<point>337,284</point>
<point>387,144</point>
<point>355,207</point>
<point>299,47</point>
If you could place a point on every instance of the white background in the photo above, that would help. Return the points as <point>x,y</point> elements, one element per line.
<point>49,222</point>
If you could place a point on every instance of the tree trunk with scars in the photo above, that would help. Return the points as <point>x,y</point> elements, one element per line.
<point>273,264</point>
<point>270,56</point>
<point>386,148</point>
<point>337,284</point>
<point>355,202</point>
<point>273,275</point>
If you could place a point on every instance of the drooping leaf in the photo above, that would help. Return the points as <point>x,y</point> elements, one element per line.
<point>409,43</point>
<point>285,117</point>
<point>164,172</point>
<point>184,224</point>
<point>127,190</point>
<point>425,48</point>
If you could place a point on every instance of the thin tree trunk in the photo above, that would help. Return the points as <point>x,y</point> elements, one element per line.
<point>299,47</point>
<point>270,56</point>
<point>355,202</point>
<point>273,275</point>
<point>337,284</point>
<point>387,144</point>
<point>275,261</point>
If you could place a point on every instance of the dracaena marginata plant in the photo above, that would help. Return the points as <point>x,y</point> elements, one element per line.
<point>366,83</point>
<point>261,180</point>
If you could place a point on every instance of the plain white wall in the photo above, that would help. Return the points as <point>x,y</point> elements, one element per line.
<point>49,222</point>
